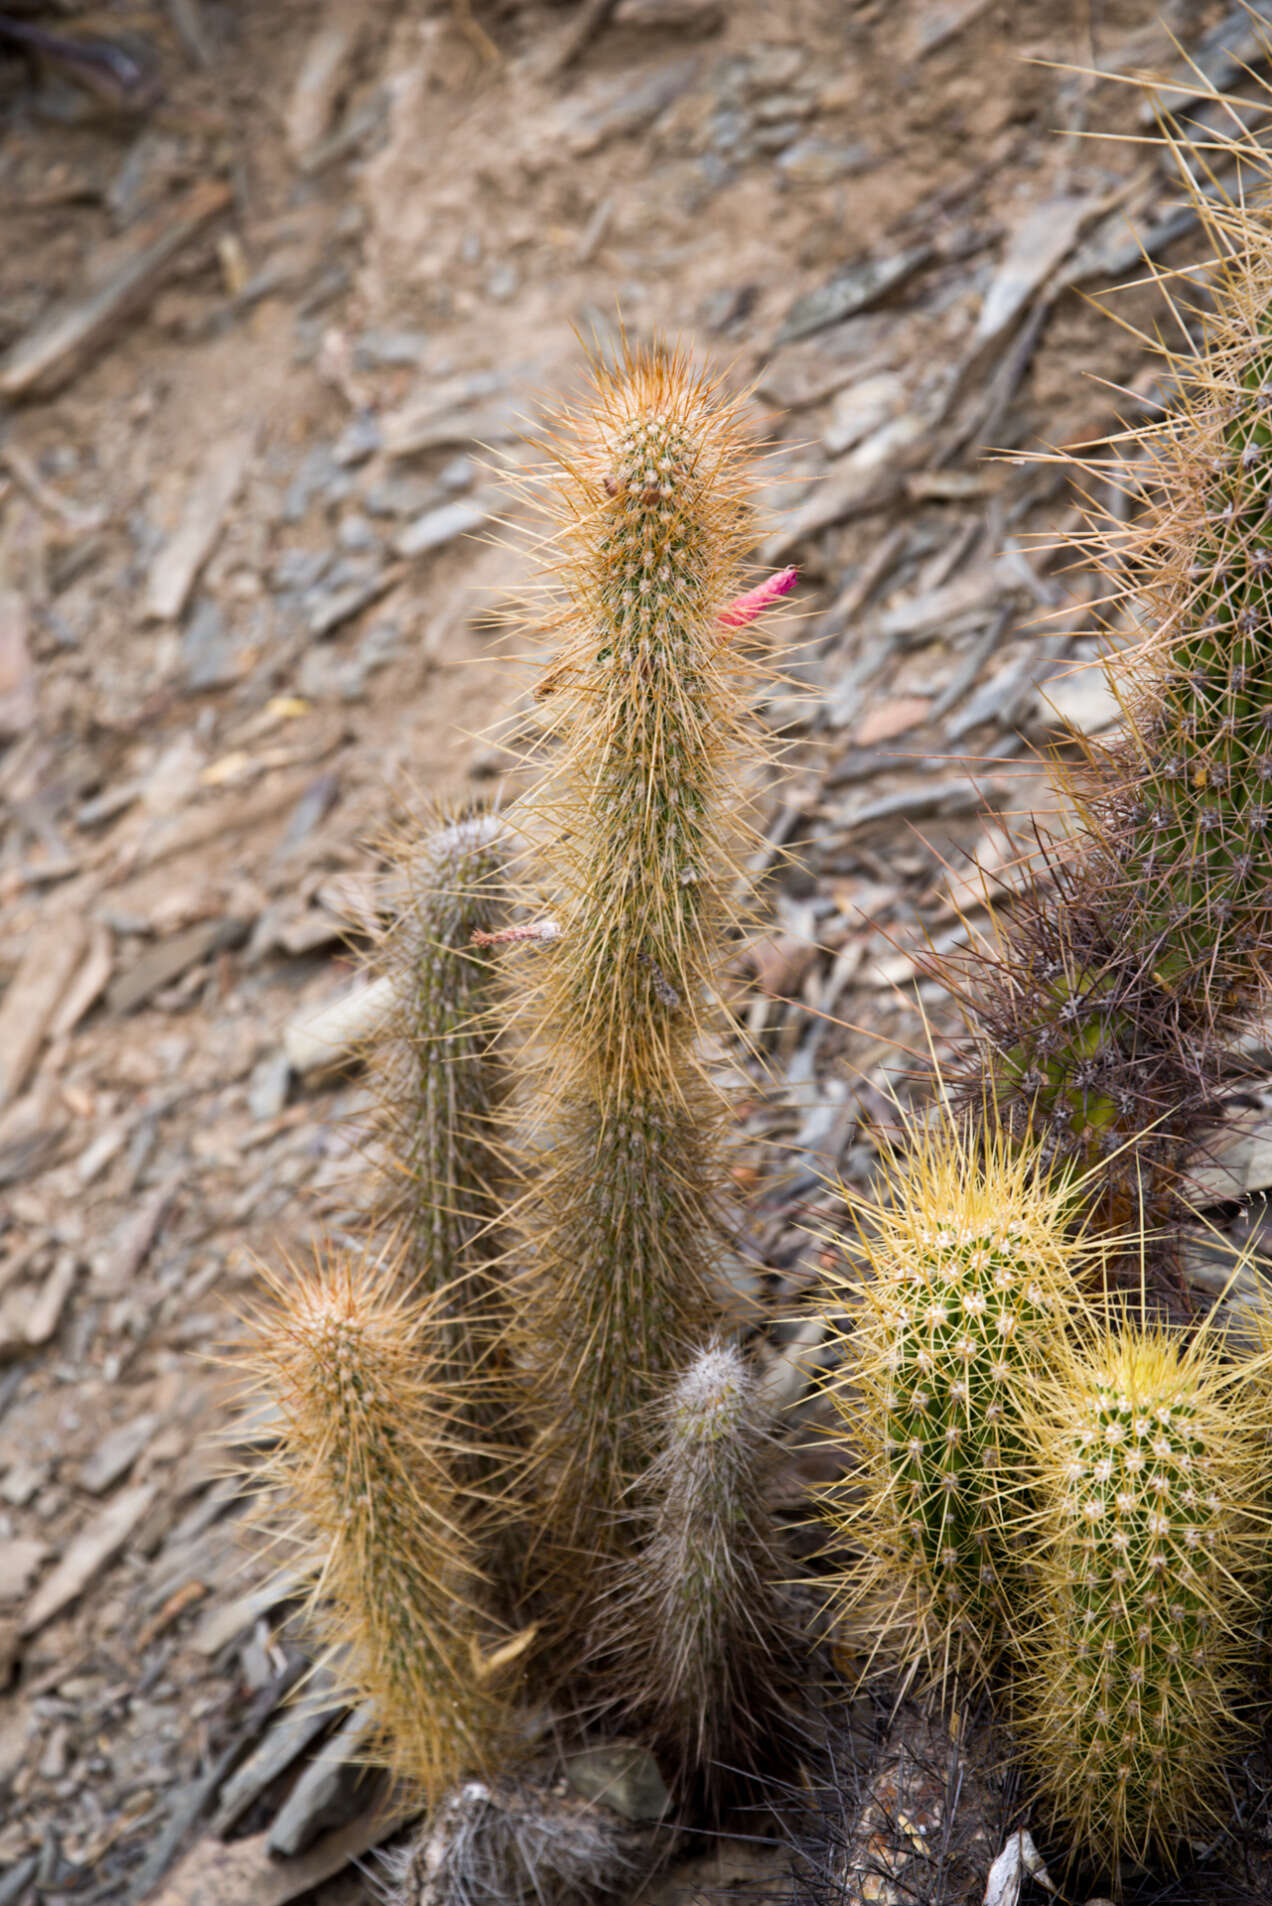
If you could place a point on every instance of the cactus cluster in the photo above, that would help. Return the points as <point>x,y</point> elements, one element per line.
<point>522,1440</point>
<point>524,1443</point>
<point>1113,1564</point>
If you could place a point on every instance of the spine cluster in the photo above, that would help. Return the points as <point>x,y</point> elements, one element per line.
<point>1142,1640</point>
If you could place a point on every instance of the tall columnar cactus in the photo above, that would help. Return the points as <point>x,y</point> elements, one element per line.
<point>703,1638</point>
<point>970,1274</point>
<point>359,1491</point>
<point>636,824</point>
<point>1098,1019</point>
<point>437,1077</point>
<point>1150,1584</point>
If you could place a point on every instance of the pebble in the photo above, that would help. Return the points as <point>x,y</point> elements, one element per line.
<point>360,440</point>
<point>815,161</point>
<point>624,1776</point>
<point>438,527</point>
<point>388,350</point>
<point>322,1795</point>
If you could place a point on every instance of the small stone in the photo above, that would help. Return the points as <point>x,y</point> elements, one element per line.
<point>322,1796</point>
<point>438,527</point>
<point>814,161</point>
<point>116,1454</point>
<point>268,1086</point>
<point>388,350</point>
<point>21,1559</point>
<point>356,535</point>
<point>360,440</point>
<point>503,283</point>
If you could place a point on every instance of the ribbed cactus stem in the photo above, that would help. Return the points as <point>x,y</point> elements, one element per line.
<point>360,1485</point>
<point>1097,1020</point>
<point>970,1273</point>
<point>636,826</point>
<point>438,1078</point>
<point>1150,1585</point>
<point>705,1642</point>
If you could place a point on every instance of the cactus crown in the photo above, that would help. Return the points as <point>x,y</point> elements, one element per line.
<point>1142,1640</point>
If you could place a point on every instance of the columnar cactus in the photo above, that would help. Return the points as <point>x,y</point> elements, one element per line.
<point>703,1639</point>
<point>971,1272</point>
<point>360,1488</point>
<point>623,1218</point>
<point>1097,1019</point>
<point>1150,1580</point>
<point>437,1077</point>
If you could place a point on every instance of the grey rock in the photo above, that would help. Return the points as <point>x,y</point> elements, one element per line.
<point>438,527</point>
<point>115,1455</point>
<point>855,288</point>
<point>359,441</point>
<point>337,605</point>
<point>209,654</point>
<point>617,108</point>
<point>388,350</point>
<point>624,1776</point>
<point>814,161</point>
<point>356,534</point>
<point>399,495</point>
<point>322,1796</point>
<point>290,1735</point>
<point>299,568</point>
<point>268,1086</point>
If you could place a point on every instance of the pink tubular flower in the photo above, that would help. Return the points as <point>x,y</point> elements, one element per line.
<point>746,608</point>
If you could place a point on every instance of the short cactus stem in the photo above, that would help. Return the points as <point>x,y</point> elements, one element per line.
<point>970,1274</point>
<point>700,1627</point>
<point>360,1488</point>
<point>637,824</point>
<point>1150,1578</point>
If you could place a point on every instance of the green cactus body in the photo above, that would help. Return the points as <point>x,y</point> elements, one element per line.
<point>1141,1641</point>
<point>971,1275</point>
<point>438,1079</point>
<point>623,1218</point>
<point>703,1638</point>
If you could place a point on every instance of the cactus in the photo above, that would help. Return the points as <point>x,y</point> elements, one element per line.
<point>360,1487</point>
<point>699,1632</point>
<point>1141,1640</point>
<point>623,1221</point>
<point>971,1273</point>
<point>1099,1018</point>
<point>437,1078</point>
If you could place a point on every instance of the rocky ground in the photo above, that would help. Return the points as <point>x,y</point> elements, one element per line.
<point>276,312</point>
